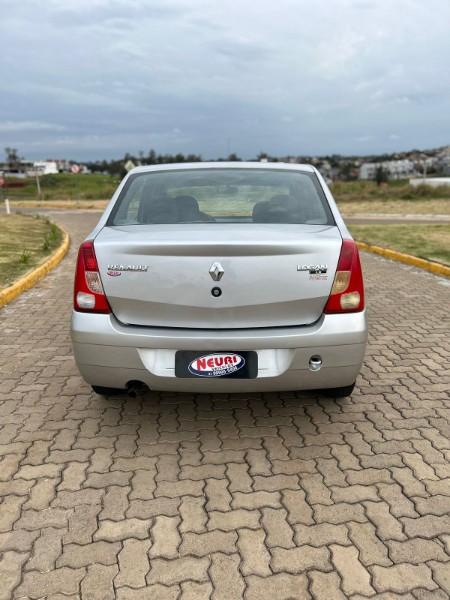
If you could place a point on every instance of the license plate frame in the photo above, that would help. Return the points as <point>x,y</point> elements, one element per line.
<point>186,363</point>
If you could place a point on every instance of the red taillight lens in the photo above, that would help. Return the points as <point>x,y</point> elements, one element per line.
<point>88,293</point>
<point>90,261</point>
<point>347,293</point>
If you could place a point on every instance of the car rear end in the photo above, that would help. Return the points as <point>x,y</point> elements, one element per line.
<point>220,277</point>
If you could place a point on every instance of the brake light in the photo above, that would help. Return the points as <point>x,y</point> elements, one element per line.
<point>347,293</point>
<point>88,293</point>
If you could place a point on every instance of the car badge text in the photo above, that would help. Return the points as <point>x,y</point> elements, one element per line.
<point>127,267</point>
<point>313,269</point>
<point>216,271</point>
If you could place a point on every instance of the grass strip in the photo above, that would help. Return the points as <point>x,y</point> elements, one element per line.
<point>430,242</point>
<point>25,242</point>
<point>392,206</point>
<point>63,186</point>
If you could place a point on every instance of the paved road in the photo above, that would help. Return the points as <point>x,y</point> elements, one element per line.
<point>279,496</point>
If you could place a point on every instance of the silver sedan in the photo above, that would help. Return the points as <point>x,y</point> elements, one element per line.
<point>220,277</point>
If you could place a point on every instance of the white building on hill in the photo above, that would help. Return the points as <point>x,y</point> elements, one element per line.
<point>46,167</point>
<point>396,169</point>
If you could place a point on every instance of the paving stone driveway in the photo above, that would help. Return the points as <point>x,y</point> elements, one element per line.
<point>280,496</point>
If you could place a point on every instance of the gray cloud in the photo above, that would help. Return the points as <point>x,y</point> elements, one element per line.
<point>97,78</point>
<point>13,126</point>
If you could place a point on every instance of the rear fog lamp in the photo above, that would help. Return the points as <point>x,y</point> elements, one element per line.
<point>350,301</point>
<point>86,301</point>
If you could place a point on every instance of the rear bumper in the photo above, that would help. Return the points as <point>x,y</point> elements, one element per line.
<point>110,354</point>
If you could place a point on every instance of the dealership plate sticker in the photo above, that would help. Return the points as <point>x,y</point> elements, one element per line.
<point>239,365</point>
<point>216,365</point>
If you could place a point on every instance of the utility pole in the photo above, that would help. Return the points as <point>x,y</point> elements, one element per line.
<point>38,185</point>
<point>5,200</point>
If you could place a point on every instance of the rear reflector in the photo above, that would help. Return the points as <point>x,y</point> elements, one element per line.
<point>88,293</point>
<point>347,293</point>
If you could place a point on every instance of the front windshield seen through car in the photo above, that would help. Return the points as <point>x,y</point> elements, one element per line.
<point>223,196</point>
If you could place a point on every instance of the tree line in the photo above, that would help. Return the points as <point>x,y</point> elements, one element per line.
<point>117,167</point>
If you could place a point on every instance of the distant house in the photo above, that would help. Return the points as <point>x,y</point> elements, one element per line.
<point>19,168</point>
<point>396,169</point>
<point>29,168</point>
<point>63,165</point>
<point>443,160</point>
<point>46,167</point>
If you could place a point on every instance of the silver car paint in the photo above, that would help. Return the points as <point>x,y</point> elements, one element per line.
<point>109,353</point>
<point>261,285</point>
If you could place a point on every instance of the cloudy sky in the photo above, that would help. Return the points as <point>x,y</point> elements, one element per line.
<point>93,79</point>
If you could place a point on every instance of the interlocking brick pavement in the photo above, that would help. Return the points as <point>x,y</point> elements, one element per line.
<point>223,497</point>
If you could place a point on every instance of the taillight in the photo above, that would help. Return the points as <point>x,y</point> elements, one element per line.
<point>347,293</point>
<point>88,293</point>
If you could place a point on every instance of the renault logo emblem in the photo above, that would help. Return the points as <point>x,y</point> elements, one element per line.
<point>216,271</point>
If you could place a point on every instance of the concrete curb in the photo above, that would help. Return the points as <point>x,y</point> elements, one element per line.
<point>433,267</point>
<point>30,279</point>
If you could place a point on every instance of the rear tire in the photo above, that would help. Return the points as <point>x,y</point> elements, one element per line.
<point>340,392</point>
<point>107,391</point>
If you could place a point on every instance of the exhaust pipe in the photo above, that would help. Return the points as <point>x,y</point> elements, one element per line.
<point>136,389</point>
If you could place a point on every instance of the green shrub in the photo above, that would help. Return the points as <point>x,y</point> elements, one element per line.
<point>47,242</point>
<point>25,257</point>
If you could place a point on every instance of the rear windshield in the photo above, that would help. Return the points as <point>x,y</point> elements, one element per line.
<point>222,196</point>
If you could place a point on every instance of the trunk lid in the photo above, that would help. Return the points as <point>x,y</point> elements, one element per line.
<point>266,280</point>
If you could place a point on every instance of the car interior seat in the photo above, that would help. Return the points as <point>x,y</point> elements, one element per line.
<point>188,210</point>
<point>161,209</point>
<point>279,209</point>
<point>284,208</point>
